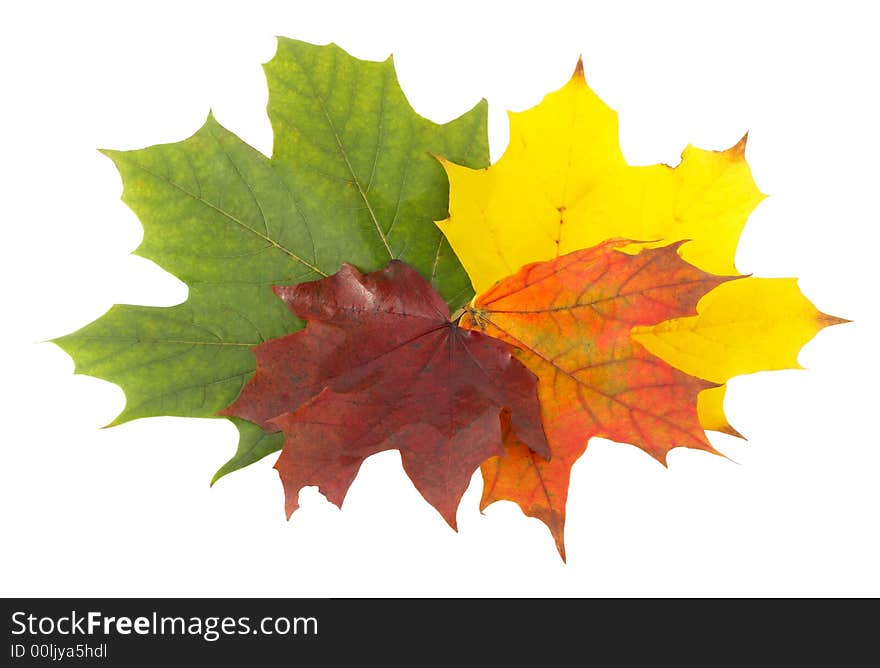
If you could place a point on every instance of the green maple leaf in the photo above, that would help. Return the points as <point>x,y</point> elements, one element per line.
<point>351,179</point>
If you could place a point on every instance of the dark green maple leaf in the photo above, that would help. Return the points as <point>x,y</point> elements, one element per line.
<point>351,179</point>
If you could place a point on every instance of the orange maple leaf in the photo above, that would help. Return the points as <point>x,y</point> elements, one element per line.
<point>570,320</point>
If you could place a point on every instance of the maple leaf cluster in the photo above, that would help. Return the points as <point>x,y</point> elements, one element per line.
<point>322,281</point>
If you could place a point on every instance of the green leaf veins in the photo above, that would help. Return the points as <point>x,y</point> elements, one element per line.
<point>351,179</point>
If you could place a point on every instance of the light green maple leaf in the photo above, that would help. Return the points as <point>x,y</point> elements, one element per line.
<point>351,179</point>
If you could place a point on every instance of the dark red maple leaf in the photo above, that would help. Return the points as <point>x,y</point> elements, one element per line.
<point>381,366</point>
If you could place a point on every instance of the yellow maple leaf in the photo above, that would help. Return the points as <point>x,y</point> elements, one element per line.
<point>563,184</point>
<point>753,324</point>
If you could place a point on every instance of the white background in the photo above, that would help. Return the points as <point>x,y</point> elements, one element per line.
<point>128,511</point>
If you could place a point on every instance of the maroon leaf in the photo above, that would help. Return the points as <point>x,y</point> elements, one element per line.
<point>380,366</point>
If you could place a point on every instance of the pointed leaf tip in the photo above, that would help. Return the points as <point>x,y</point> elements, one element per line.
<point>730,430</point>
<point>831,320</point>
<point>738,150</point>
<point>579,69</point>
